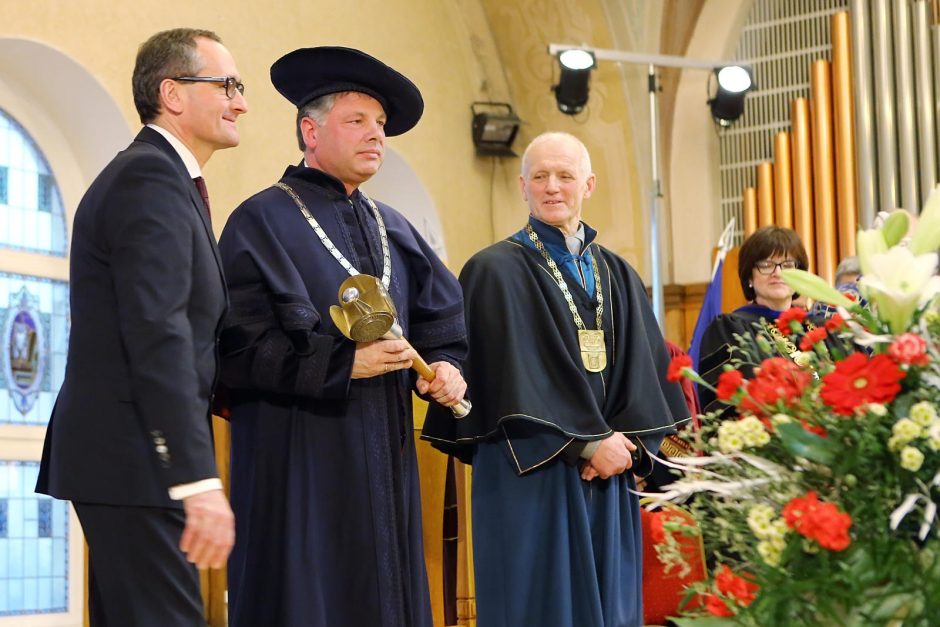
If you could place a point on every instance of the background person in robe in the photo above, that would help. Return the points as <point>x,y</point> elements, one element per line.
<point>763,255</point>
<point>130,439</point>
<point>556,532</point>
<point>848,273</point>
<point>324,473</point>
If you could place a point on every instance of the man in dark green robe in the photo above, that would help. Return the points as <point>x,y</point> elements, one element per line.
<point>563,416</point>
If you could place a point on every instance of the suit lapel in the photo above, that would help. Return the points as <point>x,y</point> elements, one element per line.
<point>156,139</point>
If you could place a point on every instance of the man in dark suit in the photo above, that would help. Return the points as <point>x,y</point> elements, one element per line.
<point>130,439</point>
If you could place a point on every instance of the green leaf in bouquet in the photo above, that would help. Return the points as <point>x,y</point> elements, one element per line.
<point>802,443</point>
<point>882,609</point>
<point>902,405</point>
<point>861,567</point>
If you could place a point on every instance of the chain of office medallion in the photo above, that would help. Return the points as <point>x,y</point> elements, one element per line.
<point>563,286</point>
<point>328,244</point>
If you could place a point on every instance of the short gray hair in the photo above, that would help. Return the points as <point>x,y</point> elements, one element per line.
<point>848,265</point>
<point>317,110</point>
<point>556,136</point>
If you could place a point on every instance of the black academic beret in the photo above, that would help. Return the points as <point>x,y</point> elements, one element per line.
<point>308,73</point>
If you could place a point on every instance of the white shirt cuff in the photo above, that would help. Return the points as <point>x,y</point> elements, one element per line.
<point>180,492</point>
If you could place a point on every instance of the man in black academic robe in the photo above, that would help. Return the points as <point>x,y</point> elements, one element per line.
<point>557,417</point>
<point>324,474</point>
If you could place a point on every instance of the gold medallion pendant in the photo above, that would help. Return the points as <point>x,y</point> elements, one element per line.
<point>593,350</point>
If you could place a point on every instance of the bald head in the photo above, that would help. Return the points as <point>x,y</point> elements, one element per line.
<point>556,179</point>
<point>565,142</point>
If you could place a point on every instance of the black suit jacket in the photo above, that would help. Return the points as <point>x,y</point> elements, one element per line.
<point>147,298</point>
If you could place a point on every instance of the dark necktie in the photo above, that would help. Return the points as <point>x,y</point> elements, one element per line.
<point>204,192</point>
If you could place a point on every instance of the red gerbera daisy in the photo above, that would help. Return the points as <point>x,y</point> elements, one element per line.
<point>857,380</point>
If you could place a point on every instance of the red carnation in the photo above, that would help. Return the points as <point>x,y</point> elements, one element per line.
<point>835,323</point>
<point>812,338</point>
<point>909,348</point>
<point>729,382</point>
<point>729,584</point>
<point>857,380</point>
<point>777,381</point>
<point>793,314</point>
<point>819,521</point>
<point>676,365</point>
<point>716,606</point>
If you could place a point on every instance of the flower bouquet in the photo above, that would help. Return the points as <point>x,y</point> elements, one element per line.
<point>817,499</point>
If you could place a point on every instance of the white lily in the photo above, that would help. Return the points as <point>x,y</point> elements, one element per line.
<point>926,236</point>
<point>897,282</point>
<point>895,227</point>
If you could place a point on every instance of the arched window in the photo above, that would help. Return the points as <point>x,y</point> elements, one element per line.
<point>31,213</point>
<point>34,530</point>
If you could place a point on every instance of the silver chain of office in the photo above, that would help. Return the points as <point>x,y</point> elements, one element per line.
<point>328,243</point>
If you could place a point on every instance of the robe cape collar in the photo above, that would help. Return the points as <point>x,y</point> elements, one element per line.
<point>554,241</point>
<point>333,187</point>
<point>758,311</point>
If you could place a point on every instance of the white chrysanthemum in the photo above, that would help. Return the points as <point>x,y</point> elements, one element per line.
<point>759,519</point>
<point>895,443</point>
<point>769,552</point>
<point>750,424</point>
<point>756,440</point>
<point>877,409</point>
<point>779,531</point>
<point>780,419</point>
<point>906,430</point>
<point>924,413</point>
<point>760,528</point>
<point>911,458</point>
<point>730,443</point>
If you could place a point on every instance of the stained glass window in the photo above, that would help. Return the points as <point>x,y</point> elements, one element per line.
<point>34,550</point>
<point>34,326</point>
<point>31,213</point>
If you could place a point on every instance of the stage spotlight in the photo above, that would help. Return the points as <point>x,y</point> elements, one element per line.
<point>494,128</point>
<point>571,92</point>
<point>733,83</point>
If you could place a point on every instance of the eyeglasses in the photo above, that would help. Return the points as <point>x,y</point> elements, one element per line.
<point>768,267</point>
<point>231,83</point>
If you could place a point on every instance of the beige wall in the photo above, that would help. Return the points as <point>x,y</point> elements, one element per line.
<point>429,40</point>
<point>522,30</point>
<point>457,51</point>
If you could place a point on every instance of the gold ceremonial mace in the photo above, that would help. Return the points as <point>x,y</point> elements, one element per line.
<point>366,313</point>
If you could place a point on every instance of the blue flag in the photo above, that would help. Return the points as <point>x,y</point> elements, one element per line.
<point>711,307</point>
<point>711,304</point>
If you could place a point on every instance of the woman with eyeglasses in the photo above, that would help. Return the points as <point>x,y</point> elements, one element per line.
<point>764,254</point>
